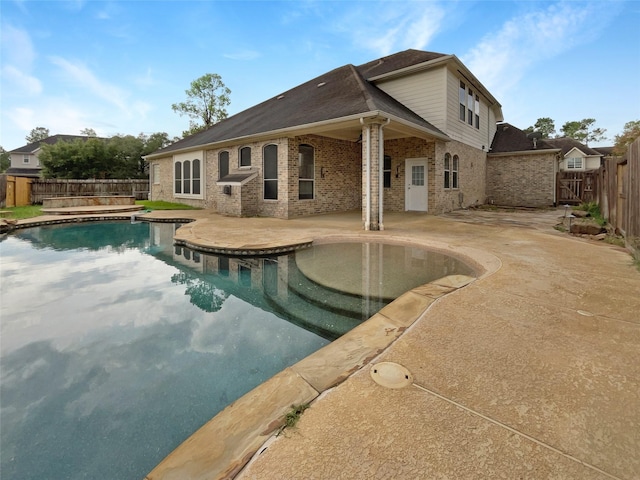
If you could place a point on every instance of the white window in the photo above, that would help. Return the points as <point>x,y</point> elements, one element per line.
<point>306,172</point>
<point>574,163</point>
<point>188,176</point>
<point>25,159</point>
<point>155,173</point>
<point>469,106</point>
<point>462,94</point>
<point>451,171</point>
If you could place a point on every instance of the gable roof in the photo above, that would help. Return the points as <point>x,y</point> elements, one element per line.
<point>341,94</point>
<point>510,139</point>
<point>566,144</point>
<point>33,147</point>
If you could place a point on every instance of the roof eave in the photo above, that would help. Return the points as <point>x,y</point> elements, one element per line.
<point>524,152</point>
<point>287,131</point>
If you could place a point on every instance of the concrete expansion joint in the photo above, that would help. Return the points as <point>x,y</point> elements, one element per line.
<point>514,431</point>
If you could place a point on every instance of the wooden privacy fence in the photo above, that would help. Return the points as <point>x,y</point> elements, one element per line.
<point>619,193</point>
<point>53,187</point>
<point>575,188</point>
<point>15,191</point>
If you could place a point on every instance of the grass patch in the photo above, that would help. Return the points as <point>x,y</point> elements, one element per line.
<point>292,416</point>
<point>594,212</point>
<point>162,205</point>
<point>28,211</point>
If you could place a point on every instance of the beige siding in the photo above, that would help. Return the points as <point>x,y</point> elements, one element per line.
<point>462,131</point>
<point>423,93</point>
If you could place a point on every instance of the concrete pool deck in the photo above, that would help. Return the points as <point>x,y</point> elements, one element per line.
<point>529,371</point>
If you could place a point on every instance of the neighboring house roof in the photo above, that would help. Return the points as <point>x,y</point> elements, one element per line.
<point>33,147</point>
<point>343,93</point>
<point>604,151</point>
<point>510,139</point>
<point>24,172</point>
<point>566,144</point>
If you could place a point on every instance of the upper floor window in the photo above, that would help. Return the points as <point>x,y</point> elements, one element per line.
<point>223,164</point>
<point>187,176</point>
<point>270,172</point>
<point>469,105</point>
<point>462,94</point>
<point>450,171</point>
<point>25,159</point>
<point>574,163</point>
<point>306,171</point>
<point>477,112</point>
<point>245,157</point>
<point>386,170</point>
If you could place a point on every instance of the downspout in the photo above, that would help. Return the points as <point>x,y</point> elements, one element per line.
<point>367,222</point>
<point>381,173</point>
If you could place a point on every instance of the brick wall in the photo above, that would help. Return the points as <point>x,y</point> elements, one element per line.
<point>472,168</point>
<point>339,189</point>
<point>526,180</point>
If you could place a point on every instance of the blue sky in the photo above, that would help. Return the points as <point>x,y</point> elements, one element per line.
<point>117,66</point>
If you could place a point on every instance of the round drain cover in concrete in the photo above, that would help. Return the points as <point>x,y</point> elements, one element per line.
<point>391,375</point>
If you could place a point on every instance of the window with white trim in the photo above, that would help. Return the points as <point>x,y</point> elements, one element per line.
<point>187,177</point>
<point>462,95</point>
<point>270,172</point>
<point>245,157</point>
<point>469,105</point>
<point>451,171</point>
<point>306,172</point>
<point>155,173</point>
<point>575,163</point>
<point>25,159</point>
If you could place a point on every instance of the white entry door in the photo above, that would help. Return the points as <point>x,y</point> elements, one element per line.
<point>416,198</point>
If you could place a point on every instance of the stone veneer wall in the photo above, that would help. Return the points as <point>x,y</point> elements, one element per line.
<point>525,180</point>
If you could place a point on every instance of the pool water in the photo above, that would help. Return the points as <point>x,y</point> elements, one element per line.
<point>116,345</point>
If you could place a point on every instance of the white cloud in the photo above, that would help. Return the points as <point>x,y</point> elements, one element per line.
<point>502,58</point>
<point>80,74</point>
<point>387,27</point>
<point>17,48</point>
<point>22,81</point>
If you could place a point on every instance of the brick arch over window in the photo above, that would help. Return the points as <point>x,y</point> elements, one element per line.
<point>245,157</point>
<point>223,164</point>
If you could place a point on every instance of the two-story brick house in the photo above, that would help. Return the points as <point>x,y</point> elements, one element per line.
<point>407,132</point>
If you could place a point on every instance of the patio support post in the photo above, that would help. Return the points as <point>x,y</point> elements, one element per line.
<point>372,156</point>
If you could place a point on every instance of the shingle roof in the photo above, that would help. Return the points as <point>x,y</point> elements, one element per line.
<point>24,172</point>
<point>566,144</point>
<point>511,139</point>
<point>396,61</point>
<point>605,151</point>
<point>340,93</point>
<point>32,147</point>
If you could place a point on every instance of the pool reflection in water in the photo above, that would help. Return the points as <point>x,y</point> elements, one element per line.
<point>117,345</point>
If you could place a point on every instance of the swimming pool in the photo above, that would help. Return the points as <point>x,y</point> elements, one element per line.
<point>117,345</point>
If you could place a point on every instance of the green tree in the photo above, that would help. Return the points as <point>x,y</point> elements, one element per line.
<point>89,132</point>
<point>545,125</point>
<point>5,160</point>
<point>37,134</point>
<point>630,132</point>
<point>583,131</point>
<point>80,159</point>
<point>126,156</point>
<point>206,103</point>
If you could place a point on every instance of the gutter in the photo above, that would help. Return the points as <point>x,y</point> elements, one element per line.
<point>289,130</point>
